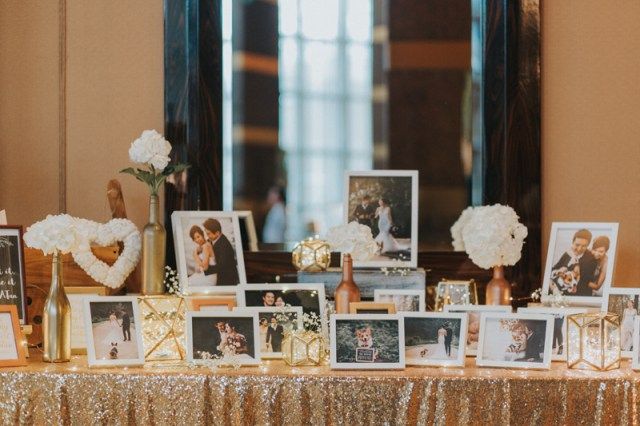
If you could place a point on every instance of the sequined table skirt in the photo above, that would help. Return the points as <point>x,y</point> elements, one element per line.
<point>277,394</point>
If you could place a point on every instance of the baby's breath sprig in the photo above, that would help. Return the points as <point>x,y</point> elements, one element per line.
<point>171,281</point>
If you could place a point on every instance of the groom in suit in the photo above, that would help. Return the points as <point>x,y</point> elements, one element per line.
<point>274,335</point>
<point>226,264</point>
<point>579,254</point>
<point>126,326</point>
<point>365,212</point>
<point>448,338</point>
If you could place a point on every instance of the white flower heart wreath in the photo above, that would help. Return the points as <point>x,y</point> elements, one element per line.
<point>105,234</point>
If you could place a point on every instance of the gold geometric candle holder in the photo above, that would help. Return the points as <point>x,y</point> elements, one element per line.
<point>301,347</point>
<point>311,255</point>
<point>593,341</point>
<point>163,324</point>
<point>455,293</point>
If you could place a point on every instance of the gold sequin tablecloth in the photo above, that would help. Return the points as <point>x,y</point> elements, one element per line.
<point>73,394</point>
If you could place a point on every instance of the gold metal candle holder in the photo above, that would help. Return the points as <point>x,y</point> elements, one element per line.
<point>455,293</point>
<point>302,347</point>
<point>311,255</point>
<point>163,326</point>
<point>593,341</point>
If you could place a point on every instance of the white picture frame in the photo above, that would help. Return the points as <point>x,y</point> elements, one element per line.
<point>387,295</point>
<point>635,354</point>
<point>182,222</point>
<point>360,323</point>
<point>474,314</point>
<point>623,293</point>
<point>423,319</point>
<point>383,260</point>
<point>490,341</point>
<point>318,289</point>
<point>249,360</point>
<point>560,241</point>
<point>554,312</point>
<point>260,311</point>
<point>97,359</point>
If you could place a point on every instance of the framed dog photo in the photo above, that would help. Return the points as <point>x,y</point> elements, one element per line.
<point>12,351</point>
<point>625,303</point>
<point>310,297</point>
<point>208,248</point>
<point>559,341</point>
<point>223,334</point>
<point>12,270</point>
<point>580,261</point>
<point>435,338</point>
<point>403,300</point>
<point>387,202</point>
<point>474,312</point>
<point>371,342</point>
<point>272,325</point>
<point>113,331</point>
<point>371,308</point>
<point>515,340</point>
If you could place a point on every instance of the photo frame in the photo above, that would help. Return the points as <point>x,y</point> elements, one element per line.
<point>559,333</point>
<point>270,337</point>
<point>248,229</point>
<point>404,300</point>
<point>515,340</point>
<point>580,261</point>
<point>3,217</point>
<point>626,303</point>
<point>456,292</point>
<point>220,261</point>
<point>474,314</point>
<point>367,342</point>
<point>12,270</point>
<point>635,354</point>
<point>371,308</point>
<point>426,345</point>
<point>200,338</point>
<point>107,327</point>
<point>76,296</point>
<point>311,297</point>
<point>13,352</point>
<point>387,202</point>
<point>212,303</point>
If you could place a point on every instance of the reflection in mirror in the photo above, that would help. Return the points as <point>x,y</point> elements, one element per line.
<point>313,89</point>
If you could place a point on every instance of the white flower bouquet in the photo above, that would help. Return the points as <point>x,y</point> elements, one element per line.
<point>491,235</point>
<point>353,238</point>
<point>54,233</point>
<point>152,150</point>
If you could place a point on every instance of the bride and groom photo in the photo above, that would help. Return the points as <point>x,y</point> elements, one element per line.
<point>429,339</point>
<point>114,330</point>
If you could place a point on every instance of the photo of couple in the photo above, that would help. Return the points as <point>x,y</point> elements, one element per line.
<point>432,338</point>
<point>218,336</point>
<point>273,325</point>
<point>514,340</point>
<point>626,305</point>
<point>113,327</point>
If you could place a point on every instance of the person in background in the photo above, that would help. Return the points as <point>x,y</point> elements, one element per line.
<point>275,223</point>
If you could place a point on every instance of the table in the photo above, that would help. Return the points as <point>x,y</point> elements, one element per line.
<point>274,393</point>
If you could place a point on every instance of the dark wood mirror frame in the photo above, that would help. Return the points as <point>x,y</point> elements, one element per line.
<point>511,129</point>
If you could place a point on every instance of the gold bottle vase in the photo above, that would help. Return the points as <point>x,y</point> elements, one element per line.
<point>56,323</point>
<point>498,289</point>
<point>154,239</point>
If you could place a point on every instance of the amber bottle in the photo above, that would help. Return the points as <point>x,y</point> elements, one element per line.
<point>347,291</point>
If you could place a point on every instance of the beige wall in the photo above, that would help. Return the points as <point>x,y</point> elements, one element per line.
<point>590,120</point>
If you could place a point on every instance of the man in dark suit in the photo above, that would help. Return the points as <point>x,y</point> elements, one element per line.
<point>578,255</point>
<point>226,264</point>
<point>448,338</point>
<point>535,333</point>
<point>274,335</point>
<point>126,326</point>
<point>365,212</point>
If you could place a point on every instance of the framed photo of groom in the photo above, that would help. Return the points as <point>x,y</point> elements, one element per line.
<point>208,247</point>
<point>580,261</point>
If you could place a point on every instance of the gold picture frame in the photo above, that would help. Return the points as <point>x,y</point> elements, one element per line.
<point>196,304</point>
<point>371,308</point>
<point>21,356</point>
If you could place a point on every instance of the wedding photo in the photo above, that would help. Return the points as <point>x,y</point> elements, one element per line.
<point>208,250</point>
<point>12,279</point>
<point>387,202</point>
<point>580,261</point>
<point>474,313</point>
<point>635,354</point>
<point>624,302</point>
<point>515,340</point>
<point>113,330</point>
<point>273,322</point>
<point>404,300</point>
<point>367,341</point>
<point>223,334</point>
<point>559,340</point>
<point>435,338</point>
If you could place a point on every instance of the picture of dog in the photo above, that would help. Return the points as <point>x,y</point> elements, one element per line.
<point>113,353</point>
<point>365,337</point>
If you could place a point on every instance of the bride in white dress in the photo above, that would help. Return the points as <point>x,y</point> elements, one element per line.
<point>203,257</point>
<point>114,335</point>
<point>628,318</point>
<point>440,351</point>
<point>385,223</point>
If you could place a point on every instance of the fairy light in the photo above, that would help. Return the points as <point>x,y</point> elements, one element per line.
<point>593,341</point>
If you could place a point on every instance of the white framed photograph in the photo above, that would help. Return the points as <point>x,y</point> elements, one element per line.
<point>559,340</point>
<point>310,297</point>
<point>208,247</point>
<point>515,340</point>
<point>580,261</point>
<point>404,300</point>
<point>626,303</point>
<point>435,338</point>
<point>387,202</point>
<point>113,331</point>
<point>474,313</point>
<point>12,270</point>
<point>76,296</point>
<point>635,353</point>
<point>367,342</point>
<point>218,334</point>
<point>272,325</point>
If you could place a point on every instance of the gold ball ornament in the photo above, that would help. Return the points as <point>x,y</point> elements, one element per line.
<point>311,255</point>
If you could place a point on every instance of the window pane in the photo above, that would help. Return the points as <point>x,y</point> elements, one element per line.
<point>288,17</point>
<point>360,68</point>
<point>359,19</point>
<point>288,64</point>
<point>322,127</point>
<point>227,19</point>
<point>227,68</point>
<point>321,68</point>
<point>288,122</point>
<point>360,127</point>
<point>319,19</point>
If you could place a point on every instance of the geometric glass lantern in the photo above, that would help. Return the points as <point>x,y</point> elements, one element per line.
<point>455,293</point>
<point>311,255</point>
<point>303,347</point>
<point>163,323</point>
<point>593,341</point>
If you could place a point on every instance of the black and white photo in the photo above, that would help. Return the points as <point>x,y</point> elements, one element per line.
<point>435,338</point>
<point>386,201</point>
<point>12,270</point>
<point>404,300</point>
<point>559,340</point>
<point>273,323</point>
<point>474,313</point>
<point>625,303</point>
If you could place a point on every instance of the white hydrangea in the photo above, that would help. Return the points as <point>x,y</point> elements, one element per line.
<point>456,229</point>
<point>353,238</point>
<point>54,233</point>
<point>151,148</point>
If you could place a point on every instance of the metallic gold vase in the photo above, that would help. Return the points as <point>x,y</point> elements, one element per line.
<point>56,323</point>
<point>154,238</point>
<point>498,290</point>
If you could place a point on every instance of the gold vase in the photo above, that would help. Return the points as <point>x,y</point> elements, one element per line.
<point>154,239</point>
<point>498,289</point>
<point>56,323</point>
